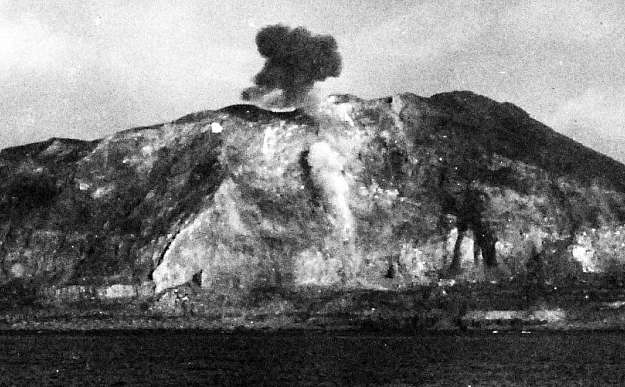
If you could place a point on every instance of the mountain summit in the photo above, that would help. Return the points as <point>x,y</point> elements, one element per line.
<point>353,194</point>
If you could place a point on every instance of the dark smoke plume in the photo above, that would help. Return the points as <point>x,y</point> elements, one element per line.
<point>296,59</point>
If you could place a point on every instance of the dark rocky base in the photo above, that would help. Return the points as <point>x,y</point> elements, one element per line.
<point>509,305</point>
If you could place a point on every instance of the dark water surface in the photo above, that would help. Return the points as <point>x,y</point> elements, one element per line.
<point>311,358</point>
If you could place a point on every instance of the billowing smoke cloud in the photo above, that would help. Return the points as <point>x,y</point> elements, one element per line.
<point>296,59</point>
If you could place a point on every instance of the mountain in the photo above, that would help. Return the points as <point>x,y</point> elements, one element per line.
<point>351,195</point>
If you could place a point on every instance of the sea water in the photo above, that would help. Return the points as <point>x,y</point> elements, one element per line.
<point>311,358</point>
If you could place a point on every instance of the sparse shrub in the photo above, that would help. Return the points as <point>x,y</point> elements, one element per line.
<point>559,266</point>
<point>615,273</point>
<point>18,293</point>
<point>25,192</point>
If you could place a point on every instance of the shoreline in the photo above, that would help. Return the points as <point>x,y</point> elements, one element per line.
<point>328,324</point>
<point>454,307</point>
<point>291,330</point>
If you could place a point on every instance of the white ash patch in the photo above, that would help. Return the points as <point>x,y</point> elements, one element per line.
<point>170,274</point>
<point>416,263</point>
<point>327,169</point>
<point>385,197</point>
<point>584,253</point>
<point>216,127</point>
<point>101,192</point>
<point>270,141</point>
<point>613,305</point>
<point>549,315</point>
<point>345,111</point>
<point>83,186</point>
<point>116,291</point>
<point>341,111</point>
<point>18,270</point>
<point>313,268</point>
<point>397,104</point>
<point>504,248</point>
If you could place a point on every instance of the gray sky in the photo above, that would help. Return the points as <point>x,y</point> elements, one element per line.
<point>86,69</point>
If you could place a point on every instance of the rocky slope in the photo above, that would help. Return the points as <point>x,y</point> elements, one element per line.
<point>381,194</point>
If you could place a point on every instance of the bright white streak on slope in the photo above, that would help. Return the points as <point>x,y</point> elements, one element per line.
<point>327,169</point>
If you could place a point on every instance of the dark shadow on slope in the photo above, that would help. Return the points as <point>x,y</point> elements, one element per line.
<point>180,181</point>
<point>506,129</point>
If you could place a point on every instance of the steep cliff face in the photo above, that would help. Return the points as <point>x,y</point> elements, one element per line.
<point>356,194</point>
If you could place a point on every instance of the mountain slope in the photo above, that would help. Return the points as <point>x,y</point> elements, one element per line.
<point>356,194</point>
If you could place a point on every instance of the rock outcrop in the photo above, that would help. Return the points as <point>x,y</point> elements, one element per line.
<point>357,194</point>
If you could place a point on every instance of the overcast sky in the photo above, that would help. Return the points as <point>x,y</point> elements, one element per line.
<point>85,69</point>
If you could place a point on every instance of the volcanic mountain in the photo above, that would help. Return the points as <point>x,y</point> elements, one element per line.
<point>353,194</point>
